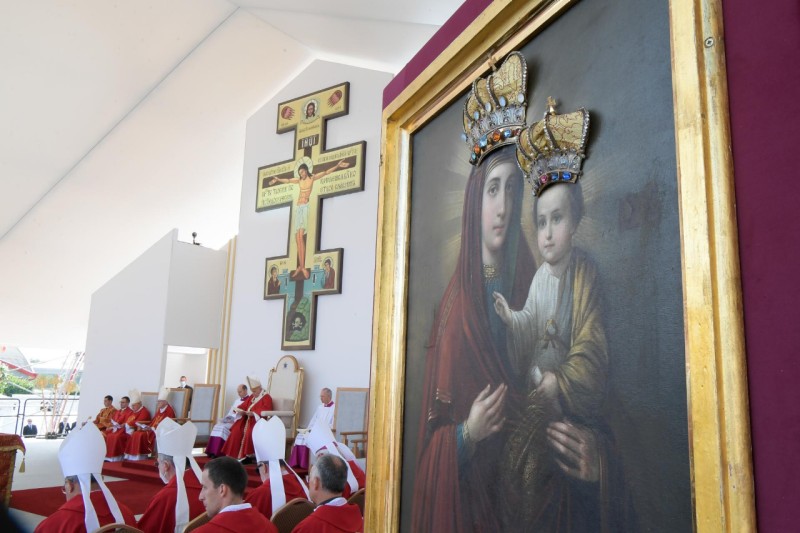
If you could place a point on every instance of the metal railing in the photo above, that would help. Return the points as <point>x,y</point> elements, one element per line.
<point>15,403</point>
<point>48,410</point>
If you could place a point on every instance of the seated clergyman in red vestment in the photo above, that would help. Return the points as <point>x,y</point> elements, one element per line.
<point>280,484</point>
<point>333,514</point>
<point>224,481</point>
<point>178,469</point>
<point>124,425</point>
<point>140,442</point>
<point>89,503</point>
<point>240,442</point>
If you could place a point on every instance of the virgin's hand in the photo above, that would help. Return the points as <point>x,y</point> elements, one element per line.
<point>486,414</point>
<point>576,450</point>
<point>501,308</point>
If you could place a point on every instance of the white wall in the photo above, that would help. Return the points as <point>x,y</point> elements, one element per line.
<point>344,321</point>
<point>171,295</point>
<point>194,300</point>
<point>191,365</point>
<point>125,338</point>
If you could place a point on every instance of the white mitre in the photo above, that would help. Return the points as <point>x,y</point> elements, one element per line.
<point>81,454</point>
<point>321,438</point>
<point>269,441</point>
<point>177,441</point>
<point>135,396</point>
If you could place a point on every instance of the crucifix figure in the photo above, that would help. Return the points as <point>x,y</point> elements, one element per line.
<point>305,184</point>
<point>314,173</point>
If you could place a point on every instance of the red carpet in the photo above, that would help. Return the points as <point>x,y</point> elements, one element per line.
<point>147,471</point>
<point>134,494</point>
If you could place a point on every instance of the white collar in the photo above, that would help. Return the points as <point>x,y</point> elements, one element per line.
<point>336,502</point>
<point>236,507</point>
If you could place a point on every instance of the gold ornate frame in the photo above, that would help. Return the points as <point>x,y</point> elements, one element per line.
<point>719,429</point>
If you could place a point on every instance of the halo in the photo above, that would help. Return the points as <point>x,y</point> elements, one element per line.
<point>313,101</point>
<point>303,160</point>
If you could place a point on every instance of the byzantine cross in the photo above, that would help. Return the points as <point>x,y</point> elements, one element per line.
<point>302,183</point>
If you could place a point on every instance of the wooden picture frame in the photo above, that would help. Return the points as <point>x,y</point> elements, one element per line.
<point>720,480</point>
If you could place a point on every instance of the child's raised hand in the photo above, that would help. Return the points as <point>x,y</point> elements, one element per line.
<point>501,308</point>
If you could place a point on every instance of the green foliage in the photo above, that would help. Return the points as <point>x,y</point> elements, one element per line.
<point>11,384</point>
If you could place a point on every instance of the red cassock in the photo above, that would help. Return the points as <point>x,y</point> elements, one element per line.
<point>238,521</point>
<point>140,442</point>
<point>160,513</point>
<point>261,498</point>
<point>240,443</point>
<point>332,519</point>
<point>360,476</point>
<point>117,440</point>
<point>70,517</point>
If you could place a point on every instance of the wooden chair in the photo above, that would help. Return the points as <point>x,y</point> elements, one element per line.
<point>358,498</point>
<point>350,419</point>
<point>291,513</point>
<point>116,526</point>
<point>196,522</point>
<point>286,388</point>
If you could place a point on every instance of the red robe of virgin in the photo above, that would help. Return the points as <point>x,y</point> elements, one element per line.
<point>261,497</point>
<point>117,440</point>
<point>140,442</point>
<point>70,517</point>
<point>331,519</point>
<point>240,442</point>
<point>238,521</point>
<point>463,356</point>
<point>160,513</point>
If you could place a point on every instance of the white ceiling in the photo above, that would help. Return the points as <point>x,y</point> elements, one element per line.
<point>123,120</point>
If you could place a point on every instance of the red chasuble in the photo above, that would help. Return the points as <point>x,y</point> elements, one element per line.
<point>140,442</point>
<point>248,520</point>
<point>117,440</point>
<point>261,498</point>
<point>70,517</point>
<point>160,513</point>
<point>240,443</point>
<point>330,519</point>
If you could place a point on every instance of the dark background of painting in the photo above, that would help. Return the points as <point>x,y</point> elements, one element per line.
<point>613,59</point>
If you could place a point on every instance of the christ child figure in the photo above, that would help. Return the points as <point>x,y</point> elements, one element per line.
<point>557,341</point>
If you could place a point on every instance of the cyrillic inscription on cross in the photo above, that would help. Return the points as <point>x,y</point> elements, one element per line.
<point>314,173</point>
